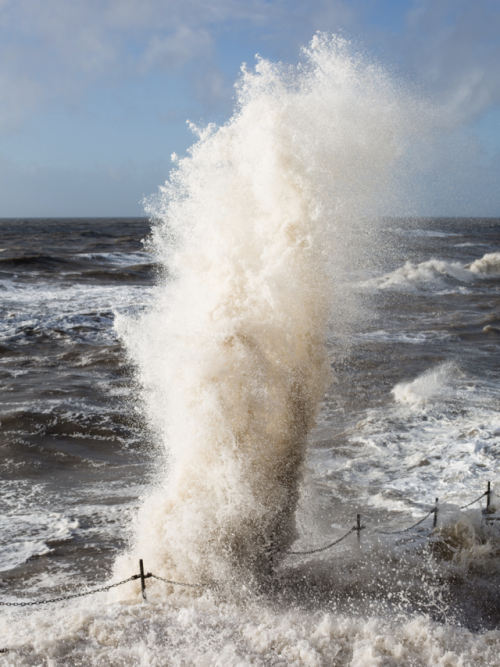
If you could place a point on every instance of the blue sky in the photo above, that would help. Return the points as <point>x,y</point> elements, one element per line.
<point>95,94</point>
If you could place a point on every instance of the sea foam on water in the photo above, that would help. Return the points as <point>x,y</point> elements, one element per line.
<point>255,229</point>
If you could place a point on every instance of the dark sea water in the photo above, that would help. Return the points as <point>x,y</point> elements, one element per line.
<point>74,454</point>
<point>413,413</point>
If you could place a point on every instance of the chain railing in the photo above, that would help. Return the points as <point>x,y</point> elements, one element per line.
<point>434,511</point>
<point>69,597</point>
<point>143,576</point>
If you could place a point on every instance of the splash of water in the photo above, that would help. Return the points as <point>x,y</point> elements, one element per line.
<point>255,229</point>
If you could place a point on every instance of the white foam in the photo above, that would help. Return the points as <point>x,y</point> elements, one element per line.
<point>436,274</point>
<point>428,233</point>
<point>120,258</point>
<point>403,336</point>
<point>258,227</point>
<point>26,535</point>
<point>468,244</point>
<point>31,305</point>
<point>436,384</point>
<point>489,265</point>
<point>439,438</point>
<point>201,633</point>
<point>433,273</point>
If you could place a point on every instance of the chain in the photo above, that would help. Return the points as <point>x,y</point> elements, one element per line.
<point>405,530</point>
<point>179,583</point>
<point>474,501</point>
<point>332,544</point>
<point>75,595</point>
<point>134,577</point>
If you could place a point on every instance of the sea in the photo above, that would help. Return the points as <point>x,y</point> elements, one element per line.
<point>277,394</point>
<point>413,414</point>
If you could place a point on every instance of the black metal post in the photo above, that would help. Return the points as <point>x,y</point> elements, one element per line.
<point>358,527</point>
<point>143,581</point>
<point>488,497</point>
<point>434,523</point>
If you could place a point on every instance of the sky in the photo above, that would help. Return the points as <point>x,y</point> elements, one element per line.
<point>95,94</point>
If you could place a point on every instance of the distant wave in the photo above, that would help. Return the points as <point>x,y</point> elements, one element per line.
<point>436,273</point>
<point>488,265</point>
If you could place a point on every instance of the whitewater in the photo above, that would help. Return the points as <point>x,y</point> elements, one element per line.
<point>255,227</point>
<point>291,372</point>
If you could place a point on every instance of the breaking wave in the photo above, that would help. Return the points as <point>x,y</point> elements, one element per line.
<point>436,273</point>
<point>255,229</point>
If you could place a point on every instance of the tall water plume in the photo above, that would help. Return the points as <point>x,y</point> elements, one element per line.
<point>255,229</point>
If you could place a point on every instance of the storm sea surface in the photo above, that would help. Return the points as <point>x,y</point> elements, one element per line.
<point>412,415</point>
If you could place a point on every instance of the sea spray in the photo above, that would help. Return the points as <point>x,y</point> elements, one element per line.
<point>255,229</point>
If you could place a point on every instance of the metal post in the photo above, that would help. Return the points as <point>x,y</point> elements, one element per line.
<point>143,581</point>
<point>488,497</point>
<point>358,527</point>
<point>434,524</point>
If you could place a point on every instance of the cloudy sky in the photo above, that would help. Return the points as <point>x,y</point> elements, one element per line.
<point>95,94</point>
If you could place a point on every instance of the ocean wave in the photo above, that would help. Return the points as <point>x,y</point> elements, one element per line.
<point>489,265</point>
<point>404,336</point>
<point>35,262</point>
<point>437,274</point>
<point>119,258</point>
<point>126,273</point>
<point>30,534</point>
<point>95,267</point>
<point>438,436</point>
<point>437,384</point>
<point>85,312</point>
<point>180,631</point>
<point>428,233</point>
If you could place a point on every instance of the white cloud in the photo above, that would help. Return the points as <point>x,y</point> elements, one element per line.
<point>52,50</point>
<point>454,46</point>
<point>176,49</point>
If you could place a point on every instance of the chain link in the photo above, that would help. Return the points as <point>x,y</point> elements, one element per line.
<point>74,595</point>
<point>405,530</point>
<point>328,546</point>
<point>134,577</point>
<point>179,583</point>
<point>474,501</point>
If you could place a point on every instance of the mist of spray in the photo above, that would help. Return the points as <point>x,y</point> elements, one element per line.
<point>256,228</point>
